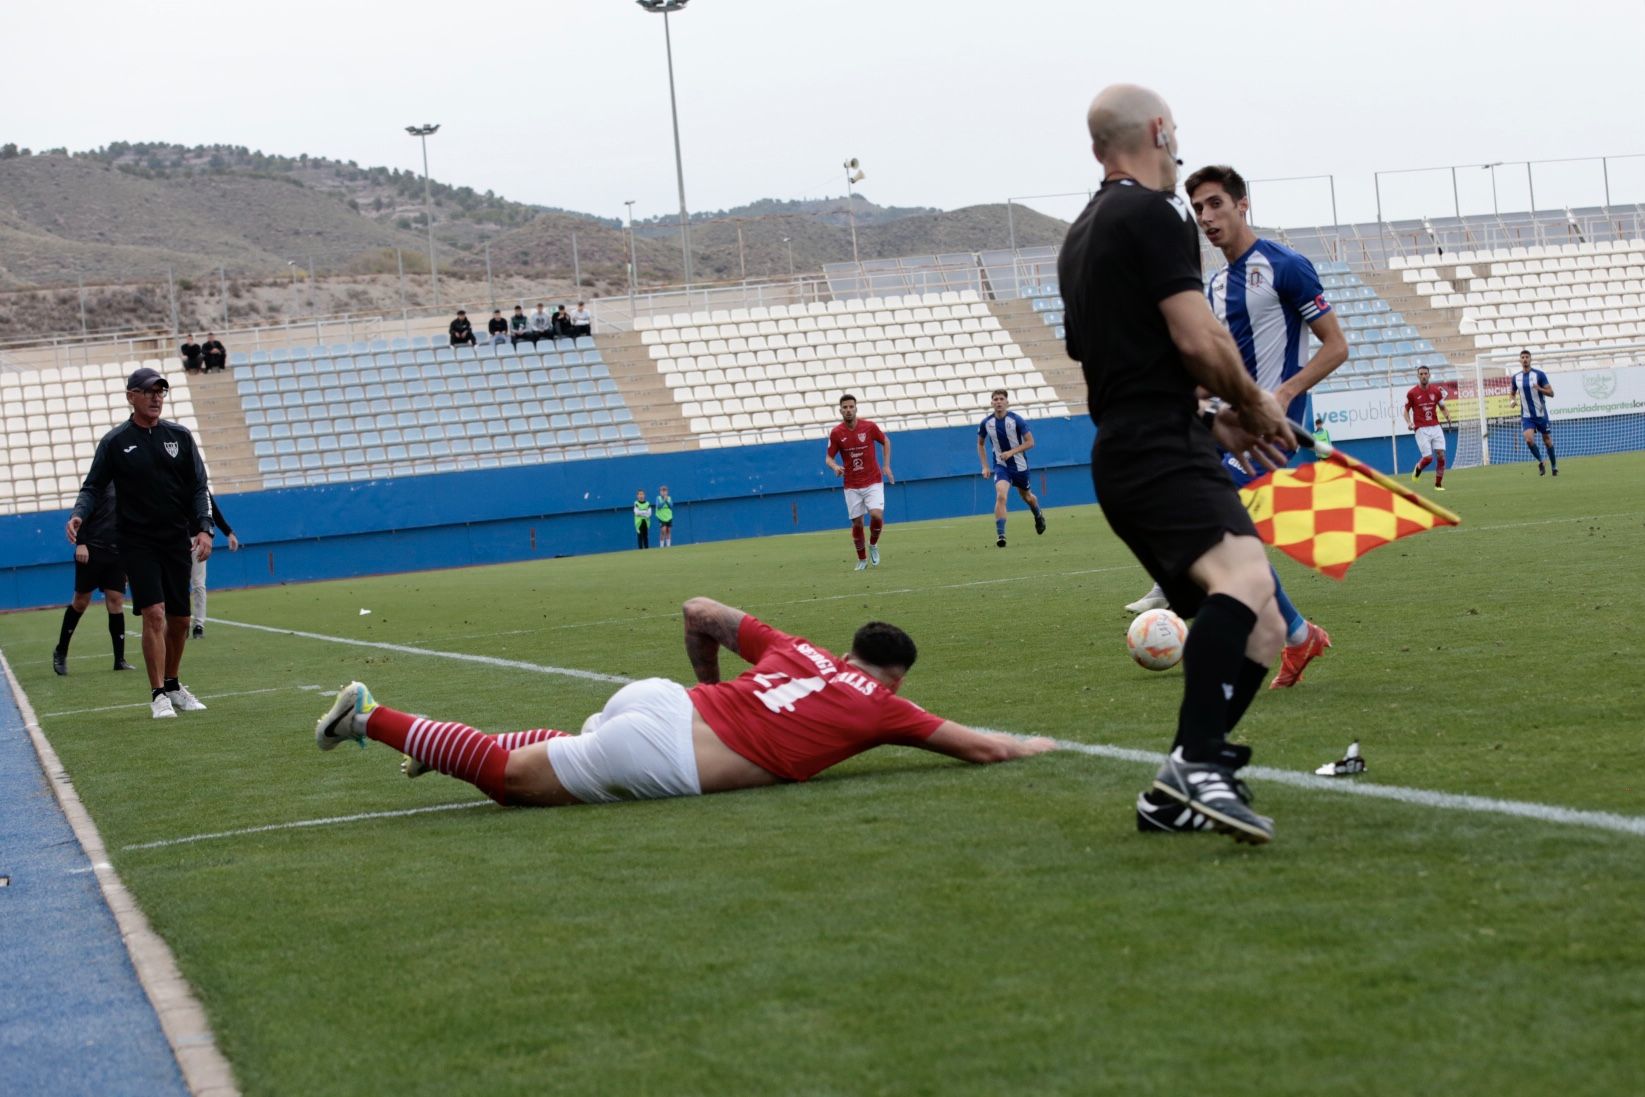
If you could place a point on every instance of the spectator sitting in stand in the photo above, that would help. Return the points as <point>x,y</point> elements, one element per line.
<point>562,323</point>
<point>542,325</point>
<point>581,322</point>
<point>216,356</point>
<point>190,350</point>
<point>462,332</point>
<point>518,327</point>
<point>497,328</point>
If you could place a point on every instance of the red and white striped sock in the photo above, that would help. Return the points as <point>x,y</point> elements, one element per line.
<point>514,740</point>
<point>456,750</point>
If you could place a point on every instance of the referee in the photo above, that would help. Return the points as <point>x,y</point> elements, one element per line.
<point>1138,322</point>
<point>162,511</point>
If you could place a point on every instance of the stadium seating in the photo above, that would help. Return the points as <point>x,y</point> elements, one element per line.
<point>57,416</point>
<point>333,414</point>
<point>1545,298</point>
<point>1379,339</point>
<point>775,374</point>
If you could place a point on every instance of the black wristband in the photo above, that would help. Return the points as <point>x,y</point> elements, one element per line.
<point>1208,418</point>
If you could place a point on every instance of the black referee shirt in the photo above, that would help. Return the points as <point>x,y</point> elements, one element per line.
<point>1131,248</point>
<point>98,530</point>
<point>160,483</point>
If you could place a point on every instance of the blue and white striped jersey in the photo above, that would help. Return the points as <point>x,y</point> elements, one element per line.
<point>1532,404</point>
<point>1006,432</point>
<point>1266,297</point>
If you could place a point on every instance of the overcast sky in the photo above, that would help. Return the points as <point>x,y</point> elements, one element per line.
<point>946,102</point>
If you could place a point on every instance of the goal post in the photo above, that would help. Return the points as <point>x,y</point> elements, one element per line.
<point>1598,404</point>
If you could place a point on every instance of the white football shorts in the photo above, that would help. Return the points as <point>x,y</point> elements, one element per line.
<point>859,501</point>
<point>637,748</point>
<point>1429,439</point>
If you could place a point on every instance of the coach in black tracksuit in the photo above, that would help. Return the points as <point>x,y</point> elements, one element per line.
<point>161,505</point>
<point>96,567</point>
<point>1139,325</point>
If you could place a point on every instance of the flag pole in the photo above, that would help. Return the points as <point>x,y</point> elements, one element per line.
<point>1325,451</point>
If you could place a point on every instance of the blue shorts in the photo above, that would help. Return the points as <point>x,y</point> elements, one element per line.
<point>1236,473</point>
<point>1537,423</point>
<point>1017,478</point>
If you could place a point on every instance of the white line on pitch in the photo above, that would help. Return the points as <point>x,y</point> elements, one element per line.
<point>647,619</point>
<point>1543,521</point>
<point>406,649</point>
<point>301,823</point>
<point>1450,801</point>
<point>145,704</point>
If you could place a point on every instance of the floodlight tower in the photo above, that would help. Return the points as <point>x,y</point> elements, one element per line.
<point>423,133</point>
<point>664,8</point>
<point>853,175</point>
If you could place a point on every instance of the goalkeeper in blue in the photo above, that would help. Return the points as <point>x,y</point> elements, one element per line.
<point>1011,439</point>
<point>1266,296</point>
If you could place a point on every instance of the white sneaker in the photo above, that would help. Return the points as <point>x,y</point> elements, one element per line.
<point>874,555</point>
<point>862,565</point>
<point>160,708</point>
<point>1154,599</point>
<point>345,720</point>
<point>184,701</point>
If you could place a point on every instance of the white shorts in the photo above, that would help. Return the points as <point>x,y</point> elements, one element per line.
<point>1429,439</point>
<point>639,748</point>
<point>859,501</point>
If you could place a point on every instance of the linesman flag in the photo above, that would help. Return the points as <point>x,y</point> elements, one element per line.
<point>1330,513</point>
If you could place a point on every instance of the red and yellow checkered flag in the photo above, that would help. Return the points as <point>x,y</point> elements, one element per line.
<point>1330,513</point>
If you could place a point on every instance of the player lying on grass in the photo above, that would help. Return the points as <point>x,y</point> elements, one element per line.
<point>796,711</point>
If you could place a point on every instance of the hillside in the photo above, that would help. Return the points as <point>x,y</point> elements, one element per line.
<point>121,219</point>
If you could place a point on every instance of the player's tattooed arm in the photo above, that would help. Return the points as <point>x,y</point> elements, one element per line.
<point>709,626</point>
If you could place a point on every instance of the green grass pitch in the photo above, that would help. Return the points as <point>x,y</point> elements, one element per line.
<point>907,924</point>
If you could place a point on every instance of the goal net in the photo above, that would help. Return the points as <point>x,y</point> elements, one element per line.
<point>1598,405</point>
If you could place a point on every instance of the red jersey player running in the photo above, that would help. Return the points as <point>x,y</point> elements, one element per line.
<point>1424,404</point>
<point>853,439</point>
<point>798,710</point>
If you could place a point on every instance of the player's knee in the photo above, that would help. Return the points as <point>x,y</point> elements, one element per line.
<point>1268,635</point>
<point>80,601</point>
<point>115,601</point>
<point>154,615</point>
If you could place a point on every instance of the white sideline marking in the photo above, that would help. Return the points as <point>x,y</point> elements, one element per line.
<point>145,704</point>
<point>405,649</point>
<point>1449,801</point>
<point>1545,521</point>
<point>267,827</point>
<point>791,602</point>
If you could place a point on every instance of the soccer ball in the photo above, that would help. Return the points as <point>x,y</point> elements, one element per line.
<point>1155,639</point>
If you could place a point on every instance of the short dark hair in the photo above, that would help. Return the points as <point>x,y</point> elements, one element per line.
<point>999,392</point>
<point>849,397</point>
<point>1221,174</point>
<point>1524,354</point>
<point>884,646</point>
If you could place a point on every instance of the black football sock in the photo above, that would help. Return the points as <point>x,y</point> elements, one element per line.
<point>71,618</point>
<point>1552,460</point>
<point>117,635</point>
<point>171,685</point>
<point>1211,665</point>
<point>155,695</point>
<point>1251,675</point>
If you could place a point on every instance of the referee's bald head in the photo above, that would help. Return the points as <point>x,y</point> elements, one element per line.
<point>1130,123</point>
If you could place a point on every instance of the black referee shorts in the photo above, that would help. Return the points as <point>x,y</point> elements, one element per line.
<point>1165,493</point>
<point>101,571</point>
<point>159,574</point>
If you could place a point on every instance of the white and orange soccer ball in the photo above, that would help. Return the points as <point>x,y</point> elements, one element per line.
<point>1155,639</point>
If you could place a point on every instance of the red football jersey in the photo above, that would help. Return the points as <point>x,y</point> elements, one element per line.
<point>860,458</point>
<point>800,709</point>
<point>1424,404</point>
